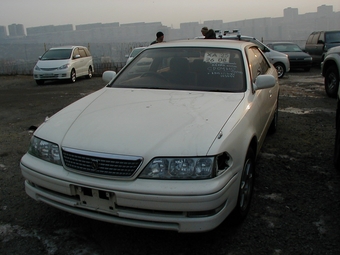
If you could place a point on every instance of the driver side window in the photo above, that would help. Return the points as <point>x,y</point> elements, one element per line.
<point>258,64</point>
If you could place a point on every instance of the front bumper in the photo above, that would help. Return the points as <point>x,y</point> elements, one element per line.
<point>300,64</point>
<point>182,213</point>
<point>51,75</point>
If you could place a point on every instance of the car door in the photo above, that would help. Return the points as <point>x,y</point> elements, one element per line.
<point>312,46</point>
<point>264,100</point>
<point>76,61</point>
<point>319,47</point>
<point>83,61</point>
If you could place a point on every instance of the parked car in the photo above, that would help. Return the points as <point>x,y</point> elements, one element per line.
<point>298,59</point>
<point>172,146</point>
<point>278,59</point>
<point>330,70</point>
<point>134,53</point>
<point>319,42</point>
<point>66,62</point>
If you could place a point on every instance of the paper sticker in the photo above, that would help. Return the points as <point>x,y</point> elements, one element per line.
<point>216,57</point>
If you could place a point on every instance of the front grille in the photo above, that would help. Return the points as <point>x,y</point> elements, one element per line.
<point>48,69</point>
<point>101,163</point>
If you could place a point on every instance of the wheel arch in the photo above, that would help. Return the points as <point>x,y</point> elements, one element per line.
<point>327,65</point>
<point>254,145</point>
<point>282,64</point>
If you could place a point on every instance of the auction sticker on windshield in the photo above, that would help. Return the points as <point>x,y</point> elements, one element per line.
<point>216,57</point>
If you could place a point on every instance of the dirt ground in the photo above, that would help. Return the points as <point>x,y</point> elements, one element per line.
<point>295,208</point>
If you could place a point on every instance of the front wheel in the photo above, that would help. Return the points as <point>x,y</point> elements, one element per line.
<point>332,81</point>
<point>280,68</point>
<point>73,76</point>
<point>246,187</point>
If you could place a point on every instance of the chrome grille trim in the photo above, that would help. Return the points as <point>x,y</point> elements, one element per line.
<point>49,69</point>
<point>95,163</point>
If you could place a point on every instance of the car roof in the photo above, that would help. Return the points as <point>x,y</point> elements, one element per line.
<point>236,36</point>
<point>212,43</point>
<point>66,47</point>
<point>142,47</point>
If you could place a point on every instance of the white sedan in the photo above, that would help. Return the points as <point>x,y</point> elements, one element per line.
<point>170,143</point>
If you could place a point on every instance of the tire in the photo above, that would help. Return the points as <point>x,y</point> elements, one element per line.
<point>73,76</point>
<point>89,73</point>
<point>273,126</point>
<point>281,70</point>
<point>246,188</point>
<point>332,81</point>
<point>40,82</point>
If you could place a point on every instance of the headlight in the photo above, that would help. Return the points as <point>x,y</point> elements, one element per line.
<point>186,168</point>
<point>45,150</point>
<point>64,66</point>
<point>37,68</point>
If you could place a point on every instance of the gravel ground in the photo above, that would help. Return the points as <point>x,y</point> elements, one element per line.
<point>295,208</point>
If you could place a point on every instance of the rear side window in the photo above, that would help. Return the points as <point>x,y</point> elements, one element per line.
<point>87,52</point>
<point>321,38</point>
<point>82,53</point>
<point>313,38</point>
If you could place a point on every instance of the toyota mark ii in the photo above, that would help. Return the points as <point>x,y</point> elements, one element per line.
<point>169,143</point>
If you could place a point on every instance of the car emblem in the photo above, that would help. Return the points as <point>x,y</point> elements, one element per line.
<point>94,164</point>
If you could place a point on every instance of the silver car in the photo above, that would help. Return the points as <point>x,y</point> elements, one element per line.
<point>134,53</point>
<point>278,59</point>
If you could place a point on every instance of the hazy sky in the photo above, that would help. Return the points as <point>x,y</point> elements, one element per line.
<point>33,13</point>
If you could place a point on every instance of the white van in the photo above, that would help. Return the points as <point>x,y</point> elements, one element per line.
<point>67,62</point>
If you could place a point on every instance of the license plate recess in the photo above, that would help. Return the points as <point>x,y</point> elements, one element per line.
<point>96,199</point>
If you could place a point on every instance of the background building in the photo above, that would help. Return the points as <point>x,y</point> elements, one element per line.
<point>113,40</point>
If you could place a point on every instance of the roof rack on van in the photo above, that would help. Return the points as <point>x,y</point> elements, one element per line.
<point>229,32</point>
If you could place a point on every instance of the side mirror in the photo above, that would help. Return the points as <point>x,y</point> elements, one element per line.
<point>264,81</point>
<point>76,56</point>
<point>108,76</point>
<point>321,42</point>
<point>39,57</point>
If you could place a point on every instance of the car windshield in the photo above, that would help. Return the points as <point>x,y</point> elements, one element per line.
<point>56,54</point>
<point>195,68</point>
<point>333,37</point>
<point>287,47</point>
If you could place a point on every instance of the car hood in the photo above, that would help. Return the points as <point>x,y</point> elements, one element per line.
<point>142,122</point>
<point>52,63</point>
<point>332,45</point>
<point>295,55</point>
